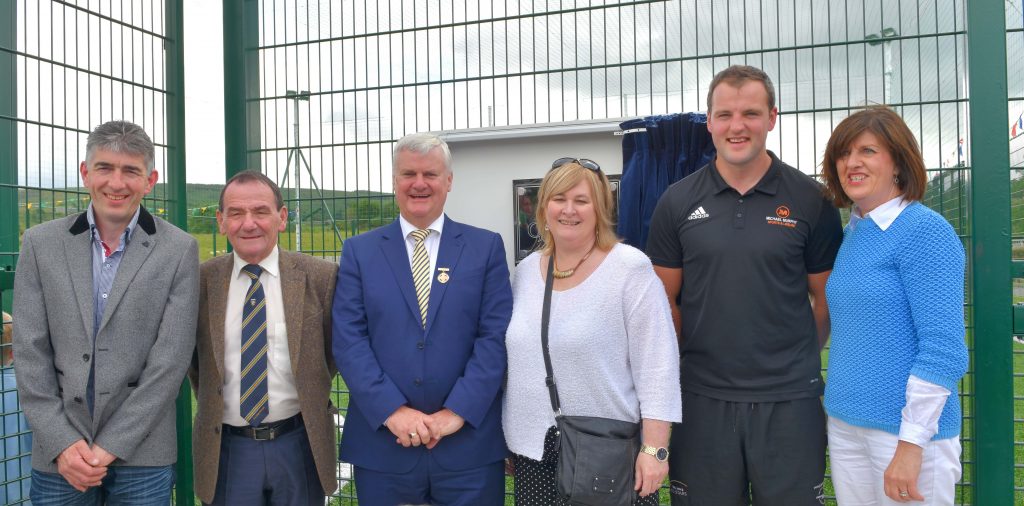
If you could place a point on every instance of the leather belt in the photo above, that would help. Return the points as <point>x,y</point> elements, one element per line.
<point>266,431</point>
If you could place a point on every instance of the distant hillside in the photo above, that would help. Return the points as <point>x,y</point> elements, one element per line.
<point>197,195</point>
<point>357,209</point>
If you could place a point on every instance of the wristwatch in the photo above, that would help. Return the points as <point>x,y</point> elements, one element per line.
<point>659,453</point>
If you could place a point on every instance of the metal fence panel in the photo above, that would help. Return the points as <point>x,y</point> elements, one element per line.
<point>328,86</point>
<point>1015,83</point>
<point>69,65</point>
<point>335,83</point>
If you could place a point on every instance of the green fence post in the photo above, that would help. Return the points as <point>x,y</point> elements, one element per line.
<point>175,71</point>
<point>8,137</point>
<point>990,254</point>
<point>241,82</point>
<point>177,213</point>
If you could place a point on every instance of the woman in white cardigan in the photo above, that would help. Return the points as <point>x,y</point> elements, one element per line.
<point>613,349</point>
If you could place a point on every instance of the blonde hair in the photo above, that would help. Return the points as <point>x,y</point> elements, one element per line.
<point>560,180</point>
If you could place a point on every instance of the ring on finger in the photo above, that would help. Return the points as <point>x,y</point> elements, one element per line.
<point>413,434</point>
<point>903,493</point>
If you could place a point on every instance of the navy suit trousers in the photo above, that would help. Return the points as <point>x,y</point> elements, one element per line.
<point>429,483</point>
<point>276,472</point>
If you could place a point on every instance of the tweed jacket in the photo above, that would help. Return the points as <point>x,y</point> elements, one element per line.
<point>141,349</point>
<point>307,287</point>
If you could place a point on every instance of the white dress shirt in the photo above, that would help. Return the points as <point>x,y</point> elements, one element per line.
<point>925,400</point>
<point>432,242</point>
<point>284,399</point>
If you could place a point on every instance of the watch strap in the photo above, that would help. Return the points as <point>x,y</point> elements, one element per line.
<point>653,451</point>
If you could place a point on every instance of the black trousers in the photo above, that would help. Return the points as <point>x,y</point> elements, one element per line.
<point>725,452</point>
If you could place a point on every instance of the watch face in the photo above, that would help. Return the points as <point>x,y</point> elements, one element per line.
<point>662,454</point>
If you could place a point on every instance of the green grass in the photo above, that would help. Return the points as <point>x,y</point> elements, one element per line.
<point>318,240</point>
<point>347,496</point>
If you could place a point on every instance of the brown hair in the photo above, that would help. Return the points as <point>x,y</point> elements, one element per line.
<point>893,134</point>
<point>560,180</point>
<point>737,76</point>
<point>252,176</point>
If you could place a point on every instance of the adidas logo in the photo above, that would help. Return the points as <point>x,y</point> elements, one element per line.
<point>698,214</point>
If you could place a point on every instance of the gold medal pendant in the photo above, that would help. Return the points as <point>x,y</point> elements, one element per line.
<point>443,277</point>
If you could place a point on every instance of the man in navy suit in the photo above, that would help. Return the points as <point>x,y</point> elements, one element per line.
<point>420,312</point>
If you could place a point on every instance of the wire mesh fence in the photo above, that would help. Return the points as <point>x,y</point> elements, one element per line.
<point>341,81</point>
<point>16,443</point>
<point>1015,80</point>
<point>69,66</point>
<point>332,85</point>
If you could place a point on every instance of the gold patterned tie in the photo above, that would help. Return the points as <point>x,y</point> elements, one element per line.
<point>421,272</point>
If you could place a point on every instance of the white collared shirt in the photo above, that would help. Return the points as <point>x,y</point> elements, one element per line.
<point>883,215</point>
<point>284,399</point>
<point>432,242</point>
<point>925,400</point>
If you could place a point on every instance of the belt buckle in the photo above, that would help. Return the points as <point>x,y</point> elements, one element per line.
<point>257,433</point>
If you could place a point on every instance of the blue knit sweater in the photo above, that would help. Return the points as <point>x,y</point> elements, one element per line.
<point>896,302</point>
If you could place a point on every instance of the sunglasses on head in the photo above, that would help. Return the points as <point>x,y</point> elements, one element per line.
<point>584,162</point>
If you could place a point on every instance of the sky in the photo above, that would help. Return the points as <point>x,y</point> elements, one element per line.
<point>204,91</point>
<point>361,95</point>
<point>352,118</point>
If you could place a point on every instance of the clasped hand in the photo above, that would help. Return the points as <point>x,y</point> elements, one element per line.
<point>84,467</point>
<point>413,427</point>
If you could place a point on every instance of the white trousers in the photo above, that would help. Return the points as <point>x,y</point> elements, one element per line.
<point>860,456</point>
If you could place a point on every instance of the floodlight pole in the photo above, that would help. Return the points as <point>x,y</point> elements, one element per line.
<point>295,154</point>
<point>296,97</point>
<point>885,37</point>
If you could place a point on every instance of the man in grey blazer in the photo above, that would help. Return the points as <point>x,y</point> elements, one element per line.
<point>105,307</point>
<point>264,431</point>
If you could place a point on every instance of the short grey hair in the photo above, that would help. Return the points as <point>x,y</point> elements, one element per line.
<point>121,137</point>
<point>422,144</point>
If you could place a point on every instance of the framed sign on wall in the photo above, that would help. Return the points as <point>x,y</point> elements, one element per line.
<point>524,202</point>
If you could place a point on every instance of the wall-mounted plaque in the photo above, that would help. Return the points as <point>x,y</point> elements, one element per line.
<point>524,198</point>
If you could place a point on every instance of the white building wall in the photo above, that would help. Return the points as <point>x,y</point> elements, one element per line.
<point>484,169</point>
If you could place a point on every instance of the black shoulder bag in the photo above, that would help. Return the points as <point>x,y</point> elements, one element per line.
<point>596,455</point>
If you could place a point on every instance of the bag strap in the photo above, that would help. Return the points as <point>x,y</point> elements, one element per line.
<point>546,316</point>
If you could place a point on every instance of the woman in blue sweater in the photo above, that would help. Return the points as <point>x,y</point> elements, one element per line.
<point>896,297</point>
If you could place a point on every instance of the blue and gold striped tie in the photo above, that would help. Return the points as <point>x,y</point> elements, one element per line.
<point>421,272</point>
<point>254,396</point>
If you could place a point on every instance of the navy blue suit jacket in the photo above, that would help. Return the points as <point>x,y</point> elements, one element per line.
<point>388,359</point>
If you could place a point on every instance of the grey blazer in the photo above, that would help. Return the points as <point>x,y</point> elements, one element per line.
<point>142,348</point>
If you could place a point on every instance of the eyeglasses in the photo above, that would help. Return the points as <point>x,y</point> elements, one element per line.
<point>584,162</point>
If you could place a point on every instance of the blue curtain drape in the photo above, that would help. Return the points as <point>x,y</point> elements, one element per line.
<point>673,147</point>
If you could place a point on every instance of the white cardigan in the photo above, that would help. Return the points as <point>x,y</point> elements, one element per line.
<point>613,349</point>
